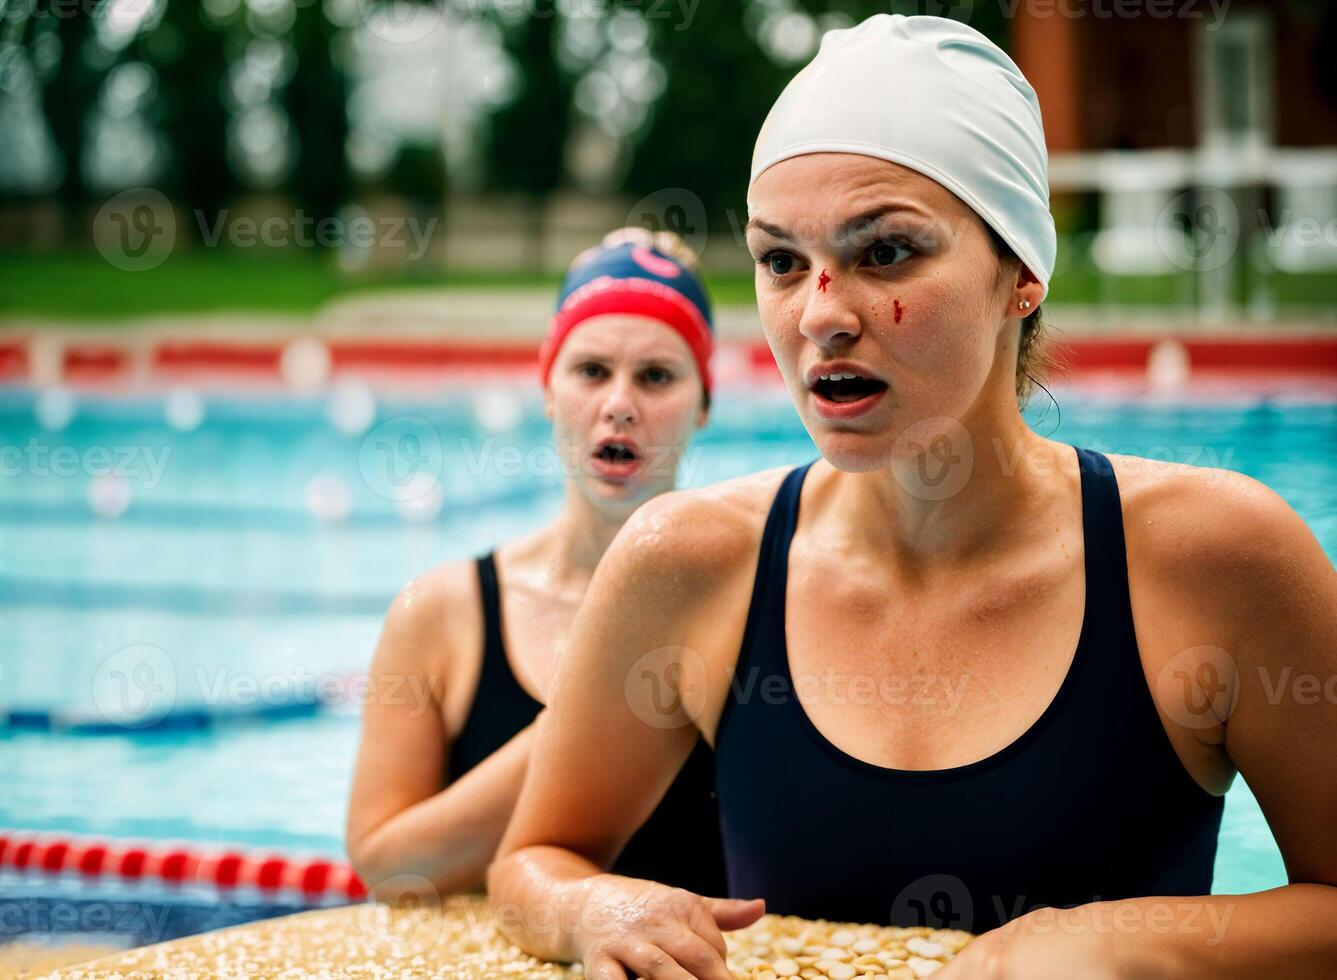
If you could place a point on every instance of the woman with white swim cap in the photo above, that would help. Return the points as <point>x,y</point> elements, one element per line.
<point>469,648</point>
<point>955,674</point>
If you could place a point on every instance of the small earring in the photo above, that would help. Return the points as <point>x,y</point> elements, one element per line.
<point>1025,305</point>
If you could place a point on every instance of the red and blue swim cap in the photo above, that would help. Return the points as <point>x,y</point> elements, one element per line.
<point>635,279</point>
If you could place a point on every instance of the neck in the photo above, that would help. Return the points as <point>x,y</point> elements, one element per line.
<point>971,490</point>
<point>576,541</point>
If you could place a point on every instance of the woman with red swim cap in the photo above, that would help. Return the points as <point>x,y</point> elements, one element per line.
<point>626,383</point>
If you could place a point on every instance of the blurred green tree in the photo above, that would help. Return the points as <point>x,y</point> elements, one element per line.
<point>525,148</point>
<point>191,56</point>
<point>70,93</point>
<point>316,100</point>
<point>721,84</point>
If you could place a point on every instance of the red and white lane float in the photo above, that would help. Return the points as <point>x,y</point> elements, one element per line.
<point>316,880</point>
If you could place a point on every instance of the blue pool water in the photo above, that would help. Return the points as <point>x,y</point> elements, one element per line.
<point>212,555</point>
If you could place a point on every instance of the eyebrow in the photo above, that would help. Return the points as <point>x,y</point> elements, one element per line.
<point>865,218</point>
<point>653,360</point>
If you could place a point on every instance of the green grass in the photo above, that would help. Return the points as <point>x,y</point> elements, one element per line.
<point>81,286</point>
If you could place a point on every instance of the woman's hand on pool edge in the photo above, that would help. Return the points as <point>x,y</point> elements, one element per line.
<point>1036,947</point>
<point>630,926</point>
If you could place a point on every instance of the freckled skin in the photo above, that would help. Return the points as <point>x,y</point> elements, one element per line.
<point>960,334</point>
<point>973,586</point>
<point>628,378</point>
<point>665,417</point>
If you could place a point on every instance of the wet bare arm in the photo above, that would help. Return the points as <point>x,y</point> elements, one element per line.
<point>1264,573</point>
<point>1257,597</point>
<point>616,733</point>
<point>402,826</point>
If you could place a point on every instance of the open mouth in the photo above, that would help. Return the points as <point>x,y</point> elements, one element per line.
<point>844,387</point>
<point>616,461</point>
<point>616,452</point>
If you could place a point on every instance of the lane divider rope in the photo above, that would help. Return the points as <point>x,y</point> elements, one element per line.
<point>313,878</point>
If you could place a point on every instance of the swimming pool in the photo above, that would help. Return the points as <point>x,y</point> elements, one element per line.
<point>248,541</point>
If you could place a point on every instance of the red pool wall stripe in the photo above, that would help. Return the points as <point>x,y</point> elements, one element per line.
<point>90,361</point>
<point>217,355</point>
<point>1239,354</point>
<point>13,359</point>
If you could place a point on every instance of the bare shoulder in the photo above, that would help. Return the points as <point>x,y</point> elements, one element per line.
<point>1224,541</point>
<point>436,613</point>
<point>683,562</point>
<point>697,535</point>
<point>677,577</point>
<point>1180,512</point>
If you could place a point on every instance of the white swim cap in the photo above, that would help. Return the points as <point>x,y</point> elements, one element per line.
<point>938,97</point>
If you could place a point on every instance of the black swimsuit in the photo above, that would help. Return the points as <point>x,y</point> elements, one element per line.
<point>678,845</point>
<point>1091,803</point>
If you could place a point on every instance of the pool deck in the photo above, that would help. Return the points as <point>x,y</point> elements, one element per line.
<point>456,937</point>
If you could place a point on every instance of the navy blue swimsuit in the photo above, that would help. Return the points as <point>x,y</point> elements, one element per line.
<point>1091,803</point>
<point>680,842</point>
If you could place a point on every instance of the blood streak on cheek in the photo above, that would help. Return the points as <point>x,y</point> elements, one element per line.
<point>897,310</point>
